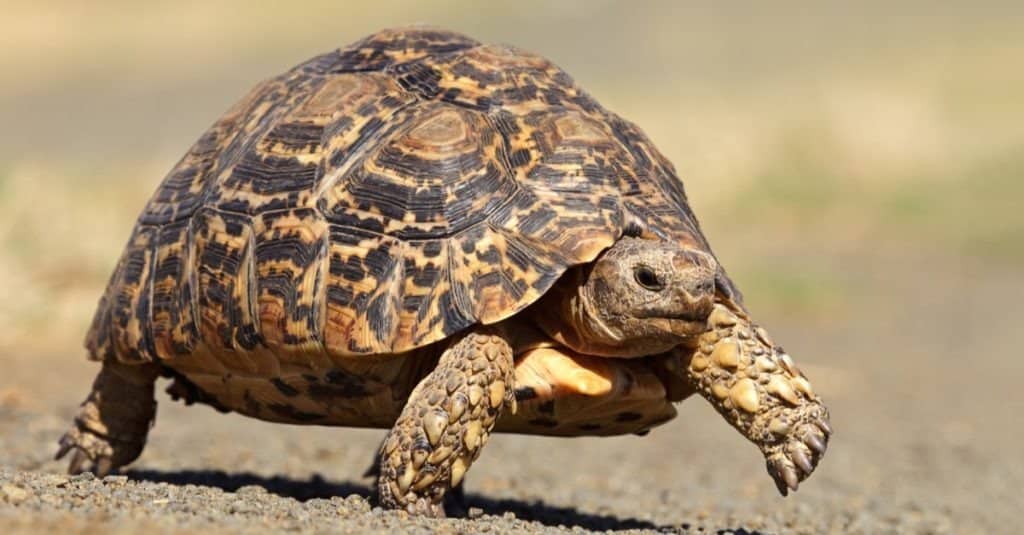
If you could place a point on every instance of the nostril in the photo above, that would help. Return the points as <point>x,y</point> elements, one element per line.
<point>699,286</point>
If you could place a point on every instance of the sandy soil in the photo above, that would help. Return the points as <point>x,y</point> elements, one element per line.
<point>925,405</point>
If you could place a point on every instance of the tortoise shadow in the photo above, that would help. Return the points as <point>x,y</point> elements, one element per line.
<point>285,487</point>
<point>318,487</point>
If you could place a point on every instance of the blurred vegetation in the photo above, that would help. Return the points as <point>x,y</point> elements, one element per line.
<point>819,142</point>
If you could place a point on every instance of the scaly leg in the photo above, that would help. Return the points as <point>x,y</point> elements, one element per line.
<point>445,424</point>
<point>111,426</point>
<point>759,390</point>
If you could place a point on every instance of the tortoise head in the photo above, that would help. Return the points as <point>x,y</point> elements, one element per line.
<point>639,297</point>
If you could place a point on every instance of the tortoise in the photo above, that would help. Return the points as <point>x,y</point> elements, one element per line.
<point>443,238</point>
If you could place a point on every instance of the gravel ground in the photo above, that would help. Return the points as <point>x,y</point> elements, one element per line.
<point>924,443</point>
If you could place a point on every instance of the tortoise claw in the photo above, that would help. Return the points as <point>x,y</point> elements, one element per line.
<point>781,485</point>
<point>791,478</point>
<point>816,444</point>
<point>800,459</point>
<point>65,447</point>
<point>91,452</point>
<point>784,474</point>
<point>103,466</point>
<point>78,462</point>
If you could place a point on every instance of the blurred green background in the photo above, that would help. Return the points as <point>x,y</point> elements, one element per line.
<point>836,153</point>
<point>856,166</point>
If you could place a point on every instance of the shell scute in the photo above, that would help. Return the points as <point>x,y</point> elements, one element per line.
<point>226,319</point>
<point>361,299</point>
<point>174,331</point>
<point>437,176</point>
<point>289,262</point>
<point>127,331</point>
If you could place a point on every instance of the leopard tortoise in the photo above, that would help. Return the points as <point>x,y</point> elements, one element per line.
<point>445,238</point>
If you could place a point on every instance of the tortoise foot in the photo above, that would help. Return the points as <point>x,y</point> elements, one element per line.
<point>111,427</point>
<point>90,452</point>
<point>794,458</point>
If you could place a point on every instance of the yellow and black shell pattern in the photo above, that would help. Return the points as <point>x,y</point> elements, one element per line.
<point>379,198</point>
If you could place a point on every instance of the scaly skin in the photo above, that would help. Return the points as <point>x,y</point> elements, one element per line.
<point>759,390</point>
<point>111,427</point>
<point>445,424</point>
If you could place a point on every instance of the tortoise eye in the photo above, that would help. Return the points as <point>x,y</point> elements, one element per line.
<point>646,277</point>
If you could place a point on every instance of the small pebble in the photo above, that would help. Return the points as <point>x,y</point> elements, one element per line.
<point>116,480</point>
<point>13,494</point>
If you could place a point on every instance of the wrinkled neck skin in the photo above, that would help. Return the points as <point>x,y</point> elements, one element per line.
<point>573,316</point>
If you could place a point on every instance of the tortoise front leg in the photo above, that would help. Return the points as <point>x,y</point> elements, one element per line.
<point>759,390</point>
<point>112,424</point>
<point>445,423</point>
<point>455,502</point>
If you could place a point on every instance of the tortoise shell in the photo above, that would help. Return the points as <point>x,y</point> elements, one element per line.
<point>377,199</point>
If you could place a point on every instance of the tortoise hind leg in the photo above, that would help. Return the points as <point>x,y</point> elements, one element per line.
<point>445,423</point>
<point>112,424</point>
